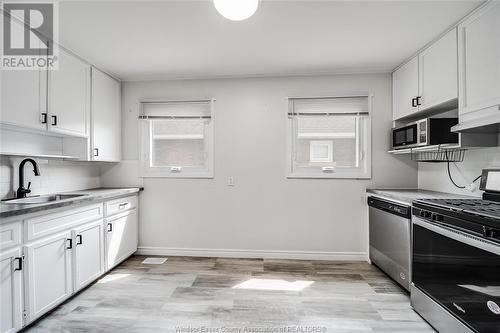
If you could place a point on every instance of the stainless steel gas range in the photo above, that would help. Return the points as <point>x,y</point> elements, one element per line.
<point>456,260</point>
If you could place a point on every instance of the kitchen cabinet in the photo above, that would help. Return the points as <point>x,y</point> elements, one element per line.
<point>69,91</point>
<point>479,64</point>
<point>88,253</point>
<point>106,118</point>
<point>428,81</point>
<point>121,237</point>
<point>24,97</point>
<point>405,89</point>
<point>438,76</point>
<point>11,300</point>
<point>48,273</point>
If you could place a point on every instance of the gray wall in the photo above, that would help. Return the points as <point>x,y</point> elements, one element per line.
<point>264,214</point>
<point>434,176</point>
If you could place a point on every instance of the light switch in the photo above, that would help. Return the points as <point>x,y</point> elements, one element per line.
<point>230,181</point>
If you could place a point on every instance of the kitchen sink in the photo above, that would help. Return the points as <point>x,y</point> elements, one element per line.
<point>43,199</point>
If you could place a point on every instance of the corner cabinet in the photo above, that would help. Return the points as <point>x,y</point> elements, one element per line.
<point>428,81</point>
<point>106,118</point>
<point>479,60</point>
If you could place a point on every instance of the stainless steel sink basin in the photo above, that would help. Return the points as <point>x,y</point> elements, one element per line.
<point>43,199</point>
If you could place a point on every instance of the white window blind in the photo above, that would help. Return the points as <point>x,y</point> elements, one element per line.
<point>329,137</point>
<point>177,139</point>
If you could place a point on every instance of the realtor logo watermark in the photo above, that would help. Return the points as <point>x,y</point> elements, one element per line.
<point>30,35</point>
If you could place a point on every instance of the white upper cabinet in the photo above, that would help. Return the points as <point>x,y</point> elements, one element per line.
<point>106,118</point>
<point>438,75</point>
<point>23,97</point>
<point>479,60</point>
<point>405,89</point>
<point>428,81</point>
<point>69,91</point>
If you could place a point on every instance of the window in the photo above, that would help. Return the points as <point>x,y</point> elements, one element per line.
<point>329,137</point>
<point>177,139</point>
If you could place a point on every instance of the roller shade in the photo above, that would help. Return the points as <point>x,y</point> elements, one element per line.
<point>176,109</point>
<point>329,106</point>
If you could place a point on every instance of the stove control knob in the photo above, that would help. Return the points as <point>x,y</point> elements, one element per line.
<point>428,215</point>
<point>437,217</point>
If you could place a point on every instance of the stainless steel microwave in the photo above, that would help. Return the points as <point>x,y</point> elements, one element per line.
<point>425,132</point>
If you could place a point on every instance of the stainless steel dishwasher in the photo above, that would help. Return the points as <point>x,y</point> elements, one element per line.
<point>390,227</point>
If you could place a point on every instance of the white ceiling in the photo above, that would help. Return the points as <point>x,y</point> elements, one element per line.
<point>137,40</point>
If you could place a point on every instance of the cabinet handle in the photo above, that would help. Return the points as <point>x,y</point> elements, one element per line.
<point>418,100</point>
<point>19,264</point>
<point>110,227</point>
<point>79,240</point>
<point>122,205</point>
<point>70,244</point>
<point>414,102</point>
<point>54,120</point>
<point>96,152</point>
<point>43,118</point>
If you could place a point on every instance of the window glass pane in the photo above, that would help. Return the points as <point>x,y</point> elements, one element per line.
<point>326,141</point>
<point>178,142</point>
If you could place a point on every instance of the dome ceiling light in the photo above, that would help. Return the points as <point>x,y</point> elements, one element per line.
<point>236,10</point>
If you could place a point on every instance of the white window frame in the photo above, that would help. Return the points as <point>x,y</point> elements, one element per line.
<point>145,150</point>
<point>363,139</point>
<point>321,143</point>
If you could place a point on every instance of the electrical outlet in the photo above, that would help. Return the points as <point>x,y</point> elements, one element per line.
<point>230,181</point>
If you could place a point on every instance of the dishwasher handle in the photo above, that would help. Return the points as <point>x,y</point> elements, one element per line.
<point>390,207</point>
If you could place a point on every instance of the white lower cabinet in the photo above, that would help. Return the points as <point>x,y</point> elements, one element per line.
<point>40,269</point>
<point>88,253</point>
<point>48,273</point>
<point>11,300</point>
<point>121,237</point>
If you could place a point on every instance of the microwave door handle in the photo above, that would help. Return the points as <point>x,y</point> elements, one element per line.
<point>459,236</point>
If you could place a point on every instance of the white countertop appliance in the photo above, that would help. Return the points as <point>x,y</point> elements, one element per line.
<point>456,260</point>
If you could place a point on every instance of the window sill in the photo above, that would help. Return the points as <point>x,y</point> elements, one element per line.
<point>328,176</point>
<point>179,176</point>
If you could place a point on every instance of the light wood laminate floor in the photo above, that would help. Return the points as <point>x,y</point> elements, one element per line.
<point>231,295</point>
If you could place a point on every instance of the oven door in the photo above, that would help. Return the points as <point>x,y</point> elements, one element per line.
<point>405,136</point>
<point>458,271</point>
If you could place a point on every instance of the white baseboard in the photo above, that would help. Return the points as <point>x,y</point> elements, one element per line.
<point>267,254</point>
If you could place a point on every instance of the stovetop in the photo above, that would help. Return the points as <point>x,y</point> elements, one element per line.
<point>476,207</point>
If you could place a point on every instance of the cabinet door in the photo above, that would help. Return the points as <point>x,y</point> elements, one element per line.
<point>121,237</point>
<point>23,97</point>
<point>479,60</point>
<point>106,118</point>
<point>438,75</point>
<point>69,98</point>
<point>49,274</point>
<point>88,253</point>
<point>11,301</point>
<point>404,89</point>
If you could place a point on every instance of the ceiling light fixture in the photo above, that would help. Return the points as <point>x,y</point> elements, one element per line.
<point>236,10</point>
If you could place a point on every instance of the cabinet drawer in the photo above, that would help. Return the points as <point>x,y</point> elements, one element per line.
<point>51,223</point>
<point>10,235</point>
<point>120,205</point>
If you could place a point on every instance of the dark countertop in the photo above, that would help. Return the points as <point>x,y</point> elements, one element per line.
<point>406,196</point>
<point>91,195</point>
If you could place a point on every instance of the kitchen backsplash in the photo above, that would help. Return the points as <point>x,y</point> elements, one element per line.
<point>434,176</point>
<point>55,176</point>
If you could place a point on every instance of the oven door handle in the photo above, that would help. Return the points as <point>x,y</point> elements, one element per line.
<point>459,236</point>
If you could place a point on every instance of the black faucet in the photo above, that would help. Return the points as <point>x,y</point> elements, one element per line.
<point>21,191</point>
